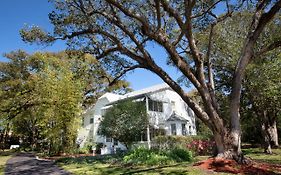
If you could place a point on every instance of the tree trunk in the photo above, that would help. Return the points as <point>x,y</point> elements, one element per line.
<point>269,132</point>
<point>273,134</point>
<point>266,136</point>
<point>227,148</point>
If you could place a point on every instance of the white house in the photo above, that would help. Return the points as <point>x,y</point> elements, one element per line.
<point>167,113</point>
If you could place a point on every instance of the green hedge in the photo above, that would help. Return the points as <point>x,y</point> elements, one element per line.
<point>144,156</point>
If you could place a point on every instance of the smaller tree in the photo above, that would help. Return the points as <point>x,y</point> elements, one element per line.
<point>125,122</point>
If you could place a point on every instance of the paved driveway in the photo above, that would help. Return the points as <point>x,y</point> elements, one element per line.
<point>27,164</point>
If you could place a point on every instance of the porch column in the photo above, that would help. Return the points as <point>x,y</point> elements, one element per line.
<point>147,129</point>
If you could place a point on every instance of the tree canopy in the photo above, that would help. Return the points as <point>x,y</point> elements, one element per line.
<point>125,121</point>
<point>43,94</point>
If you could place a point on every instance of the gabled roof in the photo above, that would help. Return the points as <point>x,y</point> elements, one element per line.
<point>175,117</point>
<point>111,96</point>
<point>148,90</point>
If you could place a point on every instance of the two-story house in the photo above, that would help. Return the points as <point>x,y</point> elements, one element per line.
<point>167,112</point>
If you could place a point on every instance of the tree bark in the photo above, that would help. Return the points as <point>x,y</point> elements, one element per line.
<point>269,132</point>
<point>273,134</point>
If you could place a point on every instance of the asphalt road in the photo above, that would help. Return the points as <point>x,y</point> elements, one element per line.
<point>27,164</point>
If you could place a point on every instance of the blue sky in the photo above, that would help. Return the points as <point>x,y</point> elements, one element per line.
<point>14,14</point>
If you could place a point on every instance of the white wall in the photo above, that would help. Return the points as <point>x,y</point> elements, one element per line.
<point>181,109</point>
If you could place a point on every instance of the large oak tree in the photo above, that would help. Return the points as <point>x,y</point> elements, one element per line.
<point>118,32</point>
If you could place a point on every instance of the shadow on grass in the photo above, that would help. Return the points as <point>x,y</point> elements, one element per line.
<point>104,165</point>
<point>258,155</point>
<point>91,159</point>
<point>160,170</point>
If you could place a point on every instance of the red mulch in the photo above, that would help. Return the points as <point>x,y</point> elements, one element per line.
<point>230,166</point>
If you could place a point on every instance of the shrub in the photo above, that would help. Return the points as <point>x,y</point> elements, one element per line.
<point>201,147</point>
<point>144,156</point>
<point>180,154</point>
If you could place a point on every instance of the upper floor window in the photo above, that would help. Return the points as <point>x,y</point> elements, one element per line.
<point>91,120</point>
<point>155,105</point>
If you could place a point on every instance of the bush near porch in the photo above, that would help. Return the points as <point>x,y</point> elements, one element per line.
<point>199,145</point>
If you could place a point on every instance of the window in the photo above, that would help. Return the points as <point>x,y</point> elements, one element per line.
<point>173,129</point>
<point>115,142</point>
<point>155,106</point>
<point>108,139</point>
<point>91,120</point>
<point>183,129</point>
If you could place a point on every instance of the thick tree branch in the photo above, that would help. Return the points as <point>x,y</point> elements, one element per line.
<point>211,84</point>
<point>107,52</point>
<point>199,112</point>
<point>172,12</point>
<point>158,13</point>
<point>189,4</point>
<point>260,20</point>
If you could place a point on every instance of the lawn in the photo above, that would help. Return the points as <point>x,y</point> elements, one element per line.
<point>111,165</point>
<point>257,155</point>
<point>4,156</point>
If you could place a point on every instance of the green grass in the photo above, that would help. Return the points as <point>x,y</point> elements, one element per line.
<point>104,169</point>
<point>111,165</point>
<point>4,156</point>
<point>258,155</point>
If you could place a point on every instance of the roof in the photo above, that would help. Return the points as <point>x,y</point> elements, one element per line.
<point>141,93</point>
<point>175,117</point>
<point>148,90</point>
<point>111,96</point>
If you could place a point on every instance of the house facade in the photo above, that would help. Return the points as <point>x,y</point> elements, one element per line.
<point>168,114</point>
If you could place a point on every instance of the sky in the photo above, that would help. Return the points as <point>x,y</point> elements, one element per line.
<point>15,14</point>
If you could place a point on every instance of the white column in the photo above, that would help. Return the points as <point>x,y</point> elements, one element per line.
<point>147,129</point>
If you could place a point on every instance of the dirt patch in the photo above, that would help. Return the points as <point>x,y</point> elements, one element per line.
<point>66,156</point>
<point>230,166</point>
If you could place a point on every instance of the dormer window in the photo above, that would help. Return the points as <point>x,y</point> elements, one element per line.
<point>156,106</point>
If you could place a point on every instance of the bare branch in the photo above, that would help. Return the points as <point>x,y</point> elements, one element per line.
<point>107,52</point>
<point>207,10</point>
<point>127,12</point>
<point>178,39</point>
<point>127,69</point>
<point>268,48</point>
